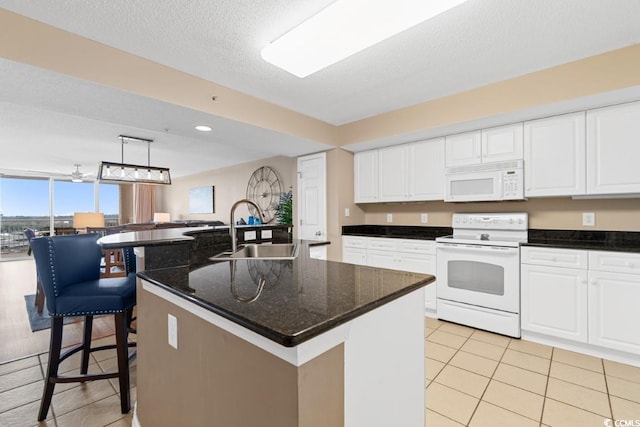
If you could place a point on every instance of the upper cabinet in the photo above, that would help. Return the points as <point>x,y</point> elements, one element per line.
<point>463,149</point>
<point>554,156</point>
<point>365,169</point>
<point>400,173</point>
<point>426,170</point>
<point>393,165</point>
<point>489,145</point>
<point>613,149</point>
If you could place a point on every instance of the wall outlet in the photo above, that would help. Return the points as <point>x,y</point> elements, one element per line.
<point>347,212</point>
<point>589,219</point>
<point>172,331</point>
<point>389,217</point>
<point>424,218</point>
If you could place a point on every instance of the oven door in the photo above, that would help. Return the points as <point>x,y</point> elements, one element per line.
<point>486,276</point>
<point>473,186</point>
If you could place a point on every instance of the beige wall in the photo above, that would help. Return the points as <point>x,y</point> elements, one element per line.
<point>607,72</point>
<point>230,185</point>
<point>552,213</point>
<point>339,198</point>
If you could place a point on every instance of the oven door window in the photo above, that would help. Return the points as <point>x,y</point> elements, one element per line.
<point>476,276</point>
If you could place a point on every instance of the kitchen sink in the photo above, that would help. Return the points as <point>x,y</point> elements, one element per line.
<point>269,251</point>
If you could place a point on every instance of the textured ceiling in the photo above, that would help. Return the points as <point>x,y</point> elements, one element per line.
<point>477,43</point>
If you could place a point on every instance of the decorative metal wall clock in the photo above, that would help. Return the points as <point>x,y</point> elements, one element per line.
<point>264,189</point>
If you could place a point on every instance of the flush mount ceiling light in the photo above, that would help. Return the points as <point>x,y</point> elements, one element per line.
<point>122,172</point>
<point>76,175</point>
<point>203,128</point>
<point>346,27</point>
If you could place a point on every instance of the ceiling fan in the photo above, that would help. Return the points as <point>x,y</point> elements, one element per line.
<point>77,176</point>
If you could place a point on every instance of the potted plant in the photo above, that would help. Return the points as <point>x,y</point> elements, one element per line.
<point>284,211</point>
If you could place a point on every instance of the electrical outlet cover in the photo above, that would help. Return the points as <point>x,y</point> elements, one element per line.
<point>389,217</point>
<point>424,218</point>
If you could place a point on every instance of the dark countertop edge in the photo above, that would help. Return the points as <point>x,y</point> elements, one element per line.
<point>602,240</point>
<point>397,231</point>
<point>302,336</point>
<point>580,245</point>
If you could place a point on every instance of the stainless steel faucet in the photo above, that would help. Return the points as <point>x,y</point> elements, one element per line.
<point>232,228</point>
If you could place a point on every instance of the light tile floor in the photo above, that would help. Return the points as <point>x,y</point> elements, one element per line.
<point>474,378</point>
<point>95,403</point>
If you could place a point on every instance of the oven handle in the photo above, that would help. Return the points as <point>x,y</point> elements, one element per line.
<point>497,250</point>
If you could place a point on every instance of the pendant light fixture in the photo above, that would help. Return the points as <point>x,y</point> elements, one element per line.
<point>122,172</point>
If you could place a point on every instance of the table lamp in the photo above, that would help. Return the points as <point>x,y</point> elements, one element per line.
<point>83,220</point>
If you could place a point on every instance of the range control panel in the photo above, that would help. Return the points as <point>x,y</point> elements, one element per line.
<point>494,221</point>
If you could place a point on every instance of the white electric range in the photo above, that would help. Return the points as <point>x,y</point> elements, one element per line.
<point>478,270</point>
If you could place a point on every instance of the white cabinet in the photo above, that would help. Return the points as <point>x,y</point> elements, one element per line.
<point>426,170</point>
<point>614,292</point>
<point>354,250</point>
<point>365,169</point>
<point>393,173</point>
<point>463,149</point>
<point>583,296</point>
<point>415,256</point>
<point>502,143</point>
<point>613,149</point>
<point>489,145</point>
<point>406,172</point>
<point>554,298</point>
<point>554,156</point>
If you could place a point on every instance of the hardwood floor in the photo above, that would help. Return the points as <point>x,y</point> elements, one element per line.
<point>18,278</point>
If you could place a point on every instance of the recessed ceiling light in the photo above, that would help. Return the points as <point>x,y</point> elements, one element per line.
<point>345,28</point>
<point>202,128</point>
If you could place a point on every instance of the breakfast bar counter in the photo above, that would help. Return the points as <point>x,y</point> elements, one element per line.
<point>300,342</point>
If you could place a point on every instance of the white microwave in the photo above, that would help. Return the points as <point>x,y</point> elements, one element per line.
<point>484,182</point>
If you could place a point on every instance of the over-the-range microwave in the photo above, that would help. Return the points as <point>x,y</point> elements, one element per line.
<point>484,182</point>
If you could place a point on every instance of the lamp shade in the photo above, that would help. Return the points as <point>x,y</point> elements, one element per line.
<point>88,219</point>
<point>161,217</point>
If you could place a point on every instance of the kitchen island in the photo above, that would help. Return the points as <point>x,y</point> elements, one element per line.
<point>300,342</point>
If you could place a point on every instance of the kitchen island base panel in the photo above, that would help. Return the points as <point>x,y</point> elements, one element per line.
<point>216,378</point>
<point>375,377</point>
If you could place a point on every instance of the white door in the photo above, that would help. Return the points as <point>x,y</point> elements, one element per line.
<point>462,149</point>
<point>393,173</point>
<point>426,170</point>
<point>312,197</point>
<point>613,149</point>
<point>613,310</point>
<point>365,179</point>
<point>502,143</point>
<point>554,156</point>
<point>554,301</point>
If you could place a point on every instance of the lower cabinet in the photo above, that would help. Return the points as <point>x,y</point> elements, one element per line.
<point>614,297</point>
<point>554,301</point>
<point>415,256</point>
<point>583,296</point>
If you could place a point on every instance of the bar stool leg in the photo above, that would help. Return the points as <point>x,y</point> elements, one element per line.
<point>52,369</point>
<point>86,343</point>
<point>122,348</point>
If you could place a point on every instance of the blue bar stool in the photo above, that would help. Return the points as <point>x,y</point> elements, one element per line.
<point>69,268</point>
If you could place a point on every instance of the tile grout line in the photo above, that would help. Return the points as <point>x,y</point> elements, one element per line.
<point>606,386</point>
<point>546,386</point>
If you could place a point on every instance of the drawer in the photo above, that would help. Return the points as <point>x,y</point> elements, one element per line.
<point>568,258</point>
<point>417,246</point>
<point>382,244</point>
<point>617,262</point>
<point>354,242</point>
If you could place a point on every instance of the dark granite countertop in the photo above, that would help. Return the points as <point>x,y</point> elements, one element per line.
<point>622,241</point>
<point>297,301</point>
<point>160,236</point>
<point>397,231</point>
<point>167,236</point>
